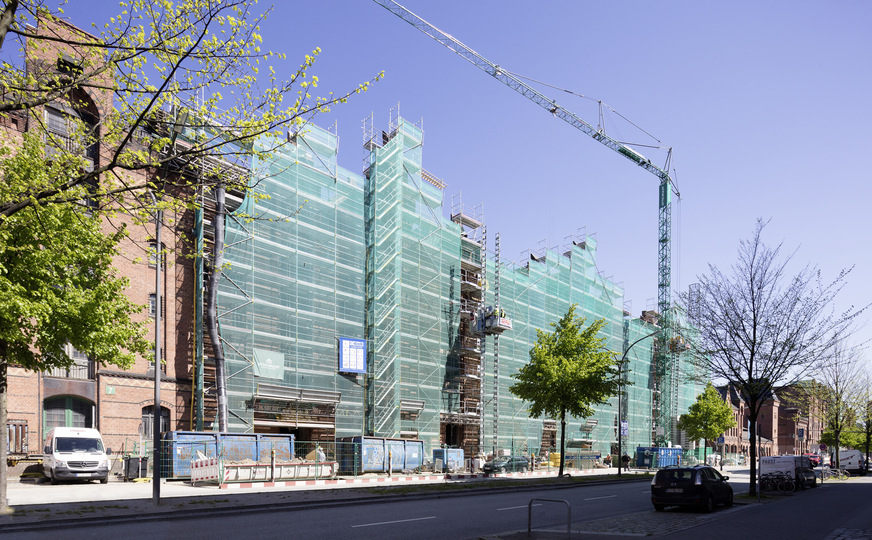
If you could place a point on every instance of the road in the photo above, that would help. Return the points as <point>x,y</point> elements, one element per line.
<point>834,511</point>
<point>450,517</point>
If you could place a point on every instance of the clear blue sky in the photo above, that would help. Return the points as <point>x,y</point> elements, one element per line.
<point>766,104</point>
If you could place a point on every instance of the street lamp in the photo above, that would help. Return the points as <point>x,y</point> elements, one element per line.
<point>181,117</point>
<point>621,396</point>
<point>155,426</point>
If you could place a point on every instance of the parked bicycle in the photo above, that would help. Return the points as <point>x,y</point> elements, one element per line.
<point>834,474</point>
<point>777,481</point>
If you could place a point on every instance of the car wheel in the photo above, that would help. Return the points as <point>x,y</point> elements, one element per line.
<point>659,507</point>
<point>502,469</point>
<point>523,470</point>
<point>104,480</point>
<point>729,501</point>
<point>709,503</point>
<point>54,481</point>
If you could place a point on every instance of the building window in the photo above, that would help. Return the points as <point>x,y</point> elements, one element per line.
<point>154,254</point>
<point>67,411</point>
<point>147,425</point>
<point>81,368</point>
<point>152,305</point>
<point>16,436</point>
<point>163,362</point>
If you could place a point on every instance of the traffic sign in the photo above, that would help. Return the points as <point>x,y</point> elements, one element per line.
<point>720,440</point>
<point>823,446</point>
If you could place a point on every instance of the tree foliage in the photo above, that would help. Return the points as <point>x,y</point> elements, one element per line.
<point>154,60</point>
<point>708,417</point>
<point>175,98</point>
<point>58,285</point>
<point>570,371</point>
<point>759,325</point>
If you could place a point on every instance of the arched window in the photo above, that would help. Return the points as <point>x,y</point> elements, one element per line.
<point>67,411</point>
<point>148,421</point>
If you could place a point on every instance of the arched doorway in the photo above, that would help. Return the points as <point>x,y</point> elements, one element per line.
<point>66,411</point>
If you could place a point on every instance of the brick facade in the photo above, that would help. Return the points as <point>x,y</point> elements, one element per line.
<point>781,418</point>
<point>116,398</point>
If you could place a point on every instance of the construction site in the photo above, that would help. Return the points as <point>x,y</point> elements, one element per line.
<point>328,262</point>
<point>369,304</point>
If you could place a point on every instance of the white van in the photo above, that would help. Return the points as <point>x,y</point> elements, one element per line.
<point>75,454</point>
<point>851,460</point>
<point>796,467</point>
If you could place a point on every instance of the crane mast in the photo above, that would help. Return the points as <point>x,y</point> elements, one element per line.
<point>665,360</point>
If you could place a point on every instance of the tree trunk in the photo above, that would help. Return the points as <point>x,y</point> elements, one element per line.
<point>752,451</point>
<point>211,312</point>
<point>562,442</point>
<point>6,19</point>
<point>704,450</point>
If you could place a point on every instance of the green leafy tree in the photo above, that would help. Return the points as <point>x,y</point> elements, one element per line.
<point>570,371</point>
<point>707,418</point>
<point>184,94</point>
<point>175,98</point>
<point>57,283</point>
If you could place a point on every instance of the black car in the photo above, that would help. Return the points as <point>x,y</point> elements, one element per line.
<point>507,464</point>
<point>701,486</point>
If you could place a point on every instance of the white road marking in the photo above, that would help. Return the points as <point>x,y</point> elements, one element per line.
<point>606,497</point>
<point>390,522</point>
<point>515,507</point>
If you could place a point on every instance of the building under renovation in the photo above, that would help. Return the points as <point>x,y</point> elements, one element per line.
<point>366,304</point>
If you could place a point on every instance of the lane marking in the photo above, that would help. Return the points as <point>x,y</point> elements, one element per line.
<point>515,507</point>
<point>606,497</point>
<point>391,522</point>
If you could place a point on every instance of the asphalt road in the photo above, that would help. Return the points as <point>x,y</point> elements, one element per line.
<point>469,516</point>
<point>835,511</point>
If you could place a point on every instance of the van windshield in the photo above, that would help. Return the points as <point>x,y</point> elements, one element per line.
<point>78,444</point>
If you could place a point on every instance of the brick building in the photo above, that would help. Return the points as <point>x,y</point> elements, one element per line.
<point>117,402</point>
<point>787,425</point>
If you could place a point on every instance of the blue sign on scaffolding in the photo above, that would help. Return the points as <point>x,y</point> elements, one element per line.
<point>352,355</point>
<point>625,428</point>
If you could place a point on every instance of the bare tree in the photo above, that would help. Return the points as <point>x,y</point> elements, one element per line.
<point>863,409</point>
<point>836,391</point>
<point>759,325</point>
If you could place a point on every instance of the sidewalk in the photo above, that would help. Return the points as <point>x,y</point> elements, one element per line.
<point>37,504</point>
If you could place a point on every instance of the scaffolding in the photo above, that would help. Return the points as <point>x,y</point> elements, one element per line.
<point>293,285</point>
<point>413,291</point>
<point>317,255</point>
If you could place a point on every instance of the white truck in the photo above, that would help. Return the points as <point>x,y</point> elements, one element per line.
<point>851,460</point>
<point>75,454</point>
<point>797,467</point>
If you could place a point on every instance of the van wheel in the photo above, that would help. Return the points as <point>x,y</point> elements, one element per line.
<point>52,479</point>
<point>104,480</point>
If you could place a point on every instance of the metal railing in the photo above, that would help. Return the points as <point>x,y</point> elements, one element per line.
<point>568,515</point>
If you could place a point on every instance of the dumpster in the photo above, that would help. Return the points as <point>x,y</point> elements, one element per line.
<point>135,467</point>
<point>452,458</point>
<point>180,447</point>
<point>357,455</point>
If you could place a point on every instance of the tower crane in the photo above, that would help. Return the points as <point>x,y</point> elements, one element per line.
<point>666,189</point>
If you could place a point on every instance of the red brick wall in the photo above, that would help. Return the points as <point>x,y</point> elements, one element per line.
<point>120,396</point>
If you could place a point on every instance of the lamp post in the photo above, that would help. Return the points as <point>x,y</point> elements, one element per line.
<point>155,426</point>
<point>181,117</point>
<point>621,396</point>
